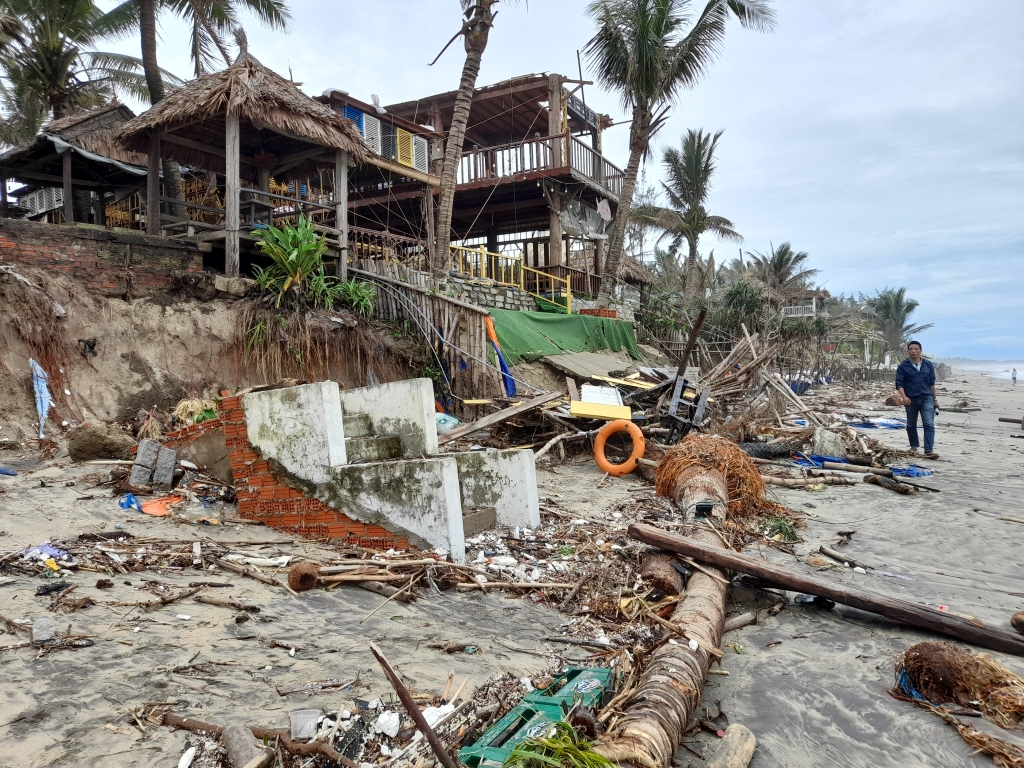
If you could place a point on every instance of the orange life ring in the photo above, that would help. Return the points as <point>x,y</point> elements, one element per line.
<point>609,429</point>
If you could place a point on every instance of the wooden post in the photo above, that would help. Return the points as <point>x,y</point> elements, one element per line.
<point>101,206</point>
<point>555,232</point>
<point>69,209</point>
<point>555,119</point>
<point>599,257</point>
<point>428,217</point>
<point>232,192</point>
<point>153,186</point>
<point>341,208</point>
<point>3,197</point>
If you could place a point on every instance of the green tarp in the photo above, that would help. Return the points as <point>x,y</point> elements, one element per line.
<point>532,335</point>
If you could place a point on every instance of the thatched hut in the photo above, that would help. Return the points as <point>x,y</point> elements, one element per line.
<point>74,164</point>
<point>248,123</point>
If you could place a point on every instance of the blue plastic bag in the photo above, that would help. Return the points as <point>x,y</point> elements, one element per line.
<point>128,501</point>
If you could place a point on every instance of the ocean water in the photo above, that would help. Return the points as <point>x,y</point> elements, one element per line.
<point>997,369</point>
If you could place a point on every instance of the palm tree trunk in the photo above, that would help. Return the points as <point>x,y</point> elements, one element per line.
<point>639,137</point>
<point>155,83</point>
<point>693,287</point>
<point>475,32</point>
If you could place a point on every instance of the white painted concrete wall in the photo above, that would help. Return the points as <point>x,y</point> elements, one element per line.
<point>402,408</point>
<point>417,497</point>
<point>505,480</point>
<point>300,427</point>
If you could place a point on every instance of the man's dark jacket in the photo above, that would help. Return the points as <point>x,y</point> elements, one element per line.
<point>915,383</point>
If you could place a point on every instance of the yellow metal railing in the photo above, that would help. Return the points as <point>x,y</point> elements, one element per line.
<point>482,264</point>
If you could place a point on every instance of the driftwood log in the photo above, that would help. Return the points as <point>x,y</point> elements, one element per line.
<point>651,727</point>
<point>892,485</point>
<point>657,571</point>
<point>901,611</point>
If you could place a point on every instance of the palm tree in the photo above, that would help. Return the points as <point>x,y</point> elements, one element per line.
<point>50,66</point>
<point>476,28</point>
<point>781,271</point>
<point>891,311</point>
<point>643,50</point>
<point>689,170</point>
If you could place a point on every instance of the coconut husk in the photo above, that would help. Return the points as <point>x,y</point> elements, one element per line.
<point>187,410</point>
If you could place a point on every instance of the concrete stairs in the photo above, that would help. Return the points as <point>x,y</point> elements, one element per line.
<point>362,445</point>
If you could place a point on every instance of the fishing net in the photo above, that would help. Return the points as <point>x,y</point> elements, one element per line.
<point>742,479</point>
<point>934,674</point>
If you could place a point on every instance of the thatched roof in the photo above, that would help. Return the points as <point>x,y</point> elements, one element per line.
<point>94,131</point>
<point>632,271</point>
<point>276,118</point>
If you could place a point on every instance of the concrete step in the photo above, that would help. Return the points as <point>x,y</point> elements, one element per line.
<point>478,519</point>
<point>357,425</point>
<point>373,448</point>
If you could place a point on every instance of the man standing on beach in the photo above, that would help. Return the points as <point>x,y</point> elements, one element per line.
<point>1014,377</point>
<point>915,381</point>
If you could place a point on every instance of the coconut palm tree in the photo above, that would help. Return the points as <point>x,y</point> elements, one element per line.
<point>781,271</point>
<point>891,310</point>
<point>688,171</point>
<point>50,66</point>
<point>645,50</point>
<point>476,29</point>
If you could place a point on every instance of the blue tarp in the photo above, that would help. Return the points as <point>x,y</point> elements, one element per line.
<point>43,399</point>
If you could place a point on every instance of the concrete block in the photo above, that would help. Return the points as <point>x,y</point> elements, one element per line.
<point>402,408</point>
<point>416,498</point>
<point>163,472</point>
<point>147,453</point>
<point>504,480</point>
<point>140,474</point>
<point>236,286</point>
<point>300,427</point>
<point>827,443</point>
<point>478,520</point>
<point>357,425</point>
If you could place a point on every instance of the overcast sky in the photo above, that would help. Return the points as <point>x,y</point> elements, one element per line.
<point>884,138</point>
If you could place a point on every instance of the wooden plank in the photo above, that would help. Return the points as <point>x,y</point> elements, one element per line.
<point>581,410</point>
<point>232,192</point>
<point>636,383</point>
<point>574,393</point>
<point>497,418</point>
<point>901,611</point>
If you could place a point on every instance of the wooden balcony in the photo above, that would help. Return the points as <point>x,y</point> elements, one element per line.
<point>490,165</point>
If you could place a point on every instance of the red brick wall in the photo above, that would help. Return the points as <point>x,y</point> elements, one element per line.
<point>263,496</point>
<point>108,262</point>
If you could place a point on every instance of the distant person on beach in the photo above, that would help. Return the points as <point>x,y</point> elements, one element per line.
<point>915,381</point>
<point>1013,375</point>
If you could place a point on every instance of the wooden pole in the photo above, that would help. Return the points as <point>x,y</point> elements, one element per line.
<point>891,608</point>
<point>413,709</point>
<point>555,119</point>
<point>3,198</point>
<point>153,186</point>
<point>341,208</point>
<point>69,208</point>
<point>232,192</point>
<point>555,232</point>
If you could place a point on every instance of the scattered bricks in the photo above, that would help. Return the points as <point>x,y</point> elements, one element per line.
<point>163,472</point>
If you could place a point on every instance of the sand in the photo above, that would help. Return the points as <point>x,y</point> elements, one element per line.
<point>818,698</point>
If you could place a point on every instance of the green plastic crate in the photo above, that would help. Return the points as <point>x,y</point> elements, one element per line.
<point>527,720</point>
<point>587,683</point>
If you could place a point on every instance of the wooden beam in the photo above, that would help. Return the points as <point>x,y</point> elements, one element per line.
<point>290,161</point>
<point>497,418</point>
<point>232,192</point>
<point>404,170</point>
<point>69,208</point>
<point>384,199</point>
<point>181,141</point>
<point>153,186</point>
<point>14,173</point>
<point>341,209</point>
<point>555,118</point>
<point>901,611</point>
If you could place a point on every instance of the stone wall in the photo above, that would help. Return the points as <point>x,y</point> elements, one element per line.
<point>107,262</point>
<point>483,295</point>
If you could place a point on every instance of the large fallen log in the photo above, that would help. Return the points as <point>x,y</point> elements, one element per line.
<point>891,608</point>
<point>651,728</point>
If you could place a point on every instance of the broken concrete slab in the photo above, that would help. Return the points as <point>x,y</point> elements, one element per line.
<point>584,365</point>
<point>301,427</point>
<point>373,448</point>
<point>96,440</point>
<point>402,408</point>
<point>147,453</point>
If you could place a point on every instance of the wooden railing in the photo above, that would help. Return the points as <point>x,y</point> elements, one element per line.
<point>506,160</point>
<point>594,166</point>
<point>582,283</point>
<point>369,244</point>
<point>455,330</point>
<point>479,263</point>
